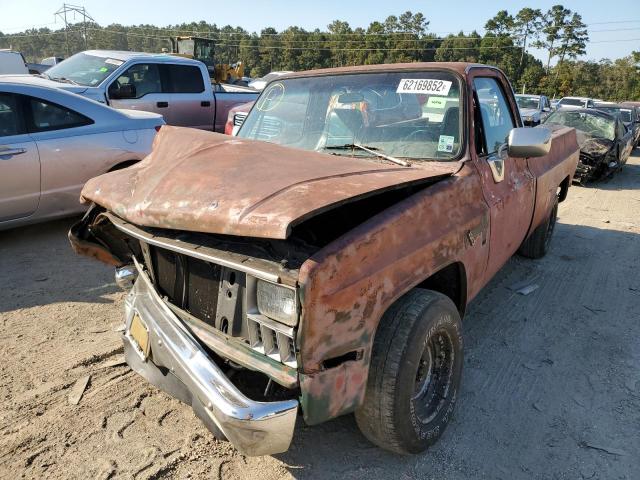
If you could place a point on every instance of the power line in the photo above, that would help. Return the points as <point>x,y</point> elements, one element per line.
<point>194,31</point>
<point>286,47</point>
<point>68,8</point>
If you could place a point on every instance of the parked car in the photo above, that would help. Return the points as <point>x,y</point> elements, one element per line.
<point>178,88</point>
<point>50,61</point>
<point>533,108</point>
<point>12,63</point>
<point>44,65</point>
<point>630,116</point>
<point>332,263</point>
<point>636,108</point>
<point>52,142</point>
<point>236,117</point>
<point>605,143</point>
<point>574,103</point>
<point>260,83</point>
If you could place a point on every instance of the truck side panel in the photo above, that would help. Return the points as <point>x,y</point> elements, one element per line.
<point>347,287</point>
<point>551,170</point>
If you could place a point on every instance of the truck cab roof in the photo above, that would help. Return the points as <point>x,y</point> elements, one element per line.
<point>126,56</point>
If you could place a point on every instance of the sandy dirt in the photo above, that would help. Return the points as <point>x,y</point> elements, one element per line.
<point>551,385</point>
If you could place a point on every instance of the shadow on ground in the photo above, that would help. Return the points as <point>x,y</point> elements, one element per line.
<point>39,267</point>
<point>548,377</point>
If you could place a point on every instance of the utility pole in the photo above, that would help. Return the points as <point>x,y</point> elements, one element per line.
<point>62,13</point>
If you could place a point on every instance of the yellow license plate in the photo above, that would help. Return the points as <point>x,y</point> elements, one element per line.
<point>139,332</point>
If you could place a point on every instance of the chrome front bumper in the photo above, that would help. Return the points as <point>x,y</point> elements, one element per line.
<point>178,365</point>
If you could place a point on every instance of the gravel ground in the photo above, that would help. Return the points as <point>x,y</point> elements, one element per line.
<point>551,385</point>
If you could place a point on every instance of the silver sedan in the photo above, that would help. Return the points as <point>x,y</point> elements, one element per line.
<point>52,142</point>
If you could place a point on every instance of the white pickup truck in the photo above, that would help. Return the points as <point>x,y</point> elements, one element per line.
<point>178,88</point>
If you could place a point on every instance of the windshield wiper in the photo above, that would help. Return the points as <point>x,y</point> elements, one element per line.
<point>371,150</point>
<point>64,80</point>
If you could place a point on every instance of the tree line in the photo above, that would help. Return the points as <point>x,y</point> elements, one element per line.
<point>559,32</point>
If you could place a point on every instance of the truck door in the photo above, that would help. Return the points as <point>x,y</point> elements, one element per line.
<point>191,104</point>
<point>507,184</point>
<point>19,162</point>
<point>139,87</point>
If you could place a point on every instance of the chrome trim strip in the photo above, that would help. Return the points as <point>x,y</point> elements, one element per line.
<point>171,245</point>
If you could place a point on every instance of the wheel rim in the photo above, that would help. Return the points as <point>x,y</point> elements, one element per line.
<point>433,377</point>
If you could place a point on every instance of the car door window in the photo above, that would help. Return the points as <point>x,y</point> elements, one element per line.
<point>144,77</point>
<point>497,121</point>
<point>10,123</point>
<point>46,116</point>
<point>184,79</point>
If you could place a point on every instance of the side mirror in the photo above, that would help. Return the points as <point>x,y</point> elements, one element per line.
<point>529,142</point>
<point>125,91</point>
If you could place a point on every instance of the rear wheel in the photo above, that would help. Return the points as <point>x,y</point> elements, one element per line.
<point>537,245</point>
<point>415,373</point>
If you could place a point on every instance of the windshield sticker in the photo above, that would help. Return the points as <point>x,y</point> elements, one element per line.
<point>104,69</point>
<point>437,102</point>
<point>445,143</point>
<point>426,86</point>
<point>271,98</point>
<point>112,61</point>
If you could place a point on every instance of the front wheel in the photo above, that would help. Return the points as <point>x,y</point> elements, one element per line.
<point>415,372</point>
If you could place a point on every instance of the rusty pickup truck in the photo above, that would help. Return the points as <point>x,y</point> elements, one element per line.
<point>321,261</point>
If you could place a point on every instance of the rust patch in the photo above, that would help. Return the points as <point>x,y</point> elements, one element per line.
<point>211,183</point>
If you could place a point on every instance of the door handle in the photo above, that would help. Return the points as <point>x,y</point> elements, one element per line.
<point>162,104</point>
<point>9,152</point>
<point>205,103</point>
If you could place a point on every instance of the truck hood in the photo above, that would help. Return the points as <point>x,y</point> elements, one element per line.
<point>207,182</point>
<point>528,112</point>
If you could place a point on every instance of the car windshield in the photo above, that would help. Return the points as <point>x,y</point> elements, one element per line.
<point>527,102</point>
<point>575,102</point>
<point>413,115</point>
<point>622,113</point>
<point>83,69</point>
<point>592,124</point>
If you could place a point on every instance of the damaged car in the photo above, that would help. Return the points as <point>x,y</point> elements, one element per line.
<point>320,262</point>
<point>628,114</point>
<point>605,142</point>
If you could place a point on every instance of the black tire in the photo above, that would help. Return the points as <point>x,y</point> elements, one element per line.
<point>537,245</point>
<point>415,372</point>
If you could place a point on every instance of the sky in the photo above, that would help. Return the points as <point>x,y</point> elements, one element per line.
<point>614,27</point>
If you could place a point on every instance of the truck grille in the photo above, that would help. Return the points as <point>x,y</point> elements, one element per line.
<point>187,282</point>
<point>238,119</point>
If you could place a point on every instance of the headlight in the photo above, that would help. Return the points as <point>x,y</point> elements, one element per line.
<point>528,119</point>
<point>277,302</point>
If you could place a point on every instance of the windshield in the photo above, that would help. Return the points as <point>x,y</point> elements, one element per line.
<point>622,114</point>
<point>575,102</point>
<point>594,125</point>
<point>413,115</point>
<point>83,69</point>
<point>527,102</point>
